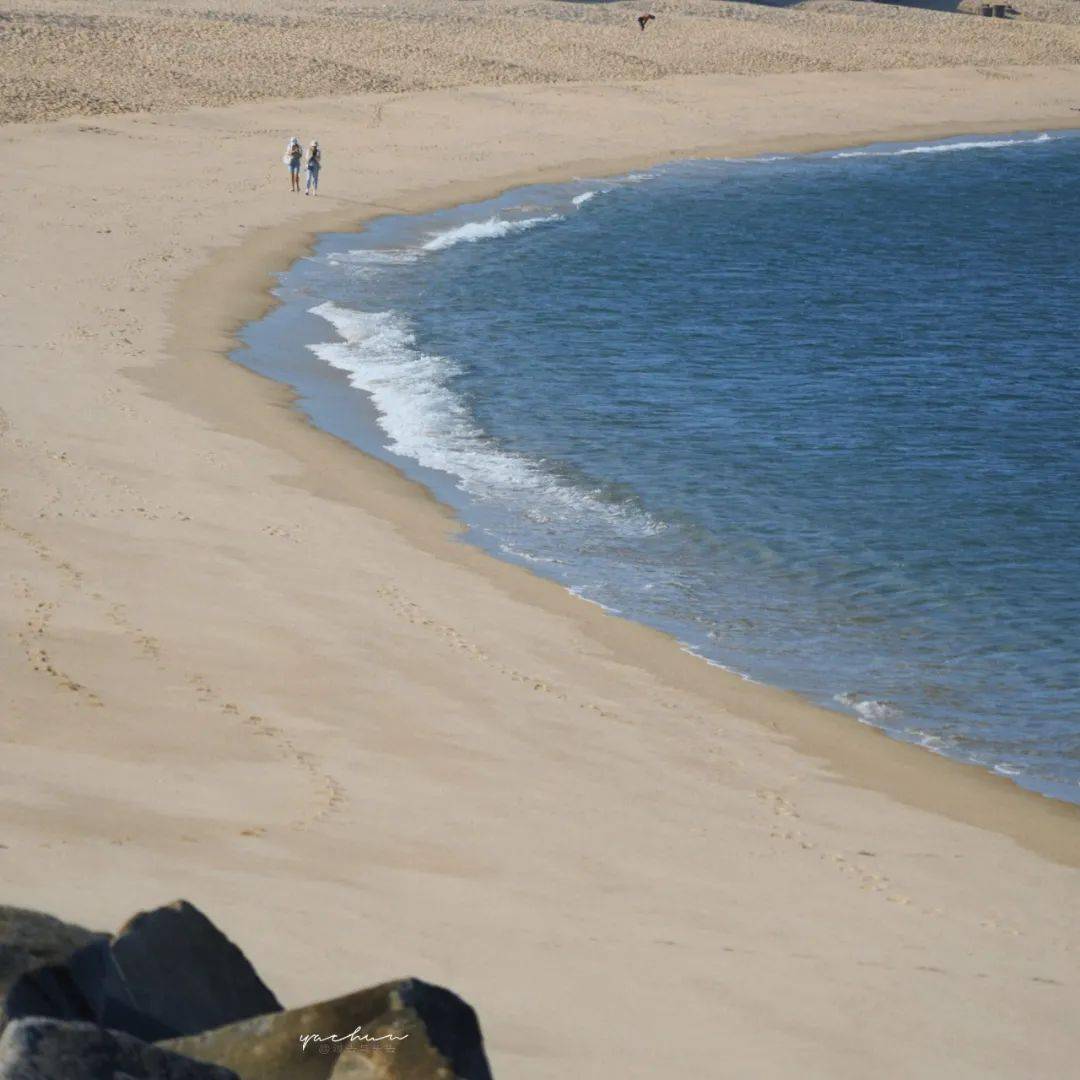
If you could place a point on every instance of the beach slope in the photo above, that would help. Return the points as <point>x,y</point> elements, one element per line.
<point>246,665</point>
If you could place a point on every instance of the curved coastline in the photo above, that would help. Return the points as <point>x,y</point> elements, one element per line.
<point>281,347</point>
<point>277,684</point>
<point>858,753</point>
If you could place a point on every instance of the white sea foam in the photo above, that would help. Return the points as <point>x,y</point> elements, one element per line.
<point>378,256</point>
<point>870,710</point>
<point>517,553</point>
<point>765,159</point>
<point>427,420</point>
<point>944,148</point>
<point>366,261</point>
<point>927,739</point>
<point>1005,768</point>
<point>588,196</point>
<point>492,229</point>
<point>716,664</point>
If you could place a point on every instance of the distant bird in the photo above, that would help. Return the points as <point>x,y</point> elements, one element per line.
<point>644,20</point>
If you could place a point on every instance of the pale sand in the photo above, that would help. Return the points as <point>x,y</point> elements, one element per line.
<point>246,665</point>
<point>102,56</point>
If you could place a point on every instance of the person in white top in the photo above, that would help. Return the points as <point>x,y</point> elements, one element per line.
<point>294,154</point>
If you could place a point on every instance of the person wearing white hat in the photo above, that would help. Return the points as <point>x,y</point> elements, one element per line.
<point>294,154</point>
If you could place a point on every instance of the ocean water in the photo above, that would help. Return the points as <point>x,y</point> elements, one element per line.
<point>817,416</point>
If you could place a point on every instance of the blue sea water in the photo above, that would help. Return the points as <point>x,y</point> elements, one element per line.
<point>817,416</point>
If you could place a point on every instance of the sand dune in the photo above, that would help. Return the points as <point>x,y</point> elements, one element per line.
<point>93,58</point>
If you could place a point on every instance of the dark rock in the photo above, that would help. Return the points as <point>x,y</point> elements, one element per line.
<point>167,972</point>
<point>41,1049</point>
<point>404,1030</point>
<point>47,991</point>
<point>28,940</point>
<point>451,1024</point>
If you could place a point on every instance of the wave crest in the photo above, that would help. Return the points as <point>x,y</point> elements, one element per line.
<point>427,420</point>
<point>492,229</point>
<point>944,148</point>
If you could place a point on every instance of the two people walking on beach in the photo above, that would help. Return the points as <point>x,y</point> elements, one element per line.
<point>294,159</point>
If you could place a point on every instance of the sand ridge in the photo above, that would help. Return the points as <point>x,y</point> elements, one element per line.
<point>99,57</point>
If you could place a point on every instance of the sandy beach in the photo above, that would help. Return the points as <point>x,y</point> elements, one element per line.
<point>246,665</point>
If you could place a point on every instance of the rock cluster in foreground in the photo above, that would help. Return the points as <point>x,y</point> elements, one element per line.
<point>169,997</point>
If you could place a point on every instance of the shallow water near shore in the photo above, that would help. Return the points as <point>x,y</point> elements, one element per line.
<point>816,415</point>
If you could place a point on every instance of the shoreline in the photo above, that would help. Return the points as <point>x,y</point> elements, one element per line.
<point>816,730</point>
<point>311,697</point>
<point>438,485</point>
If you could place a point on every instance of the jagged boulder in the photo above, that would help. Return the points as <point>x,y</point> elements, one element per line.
<point>38,1048</point>
<point>85,1006</point>
<point>167,972</point>
<point>28,940</point>
<point>403,1030</point>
